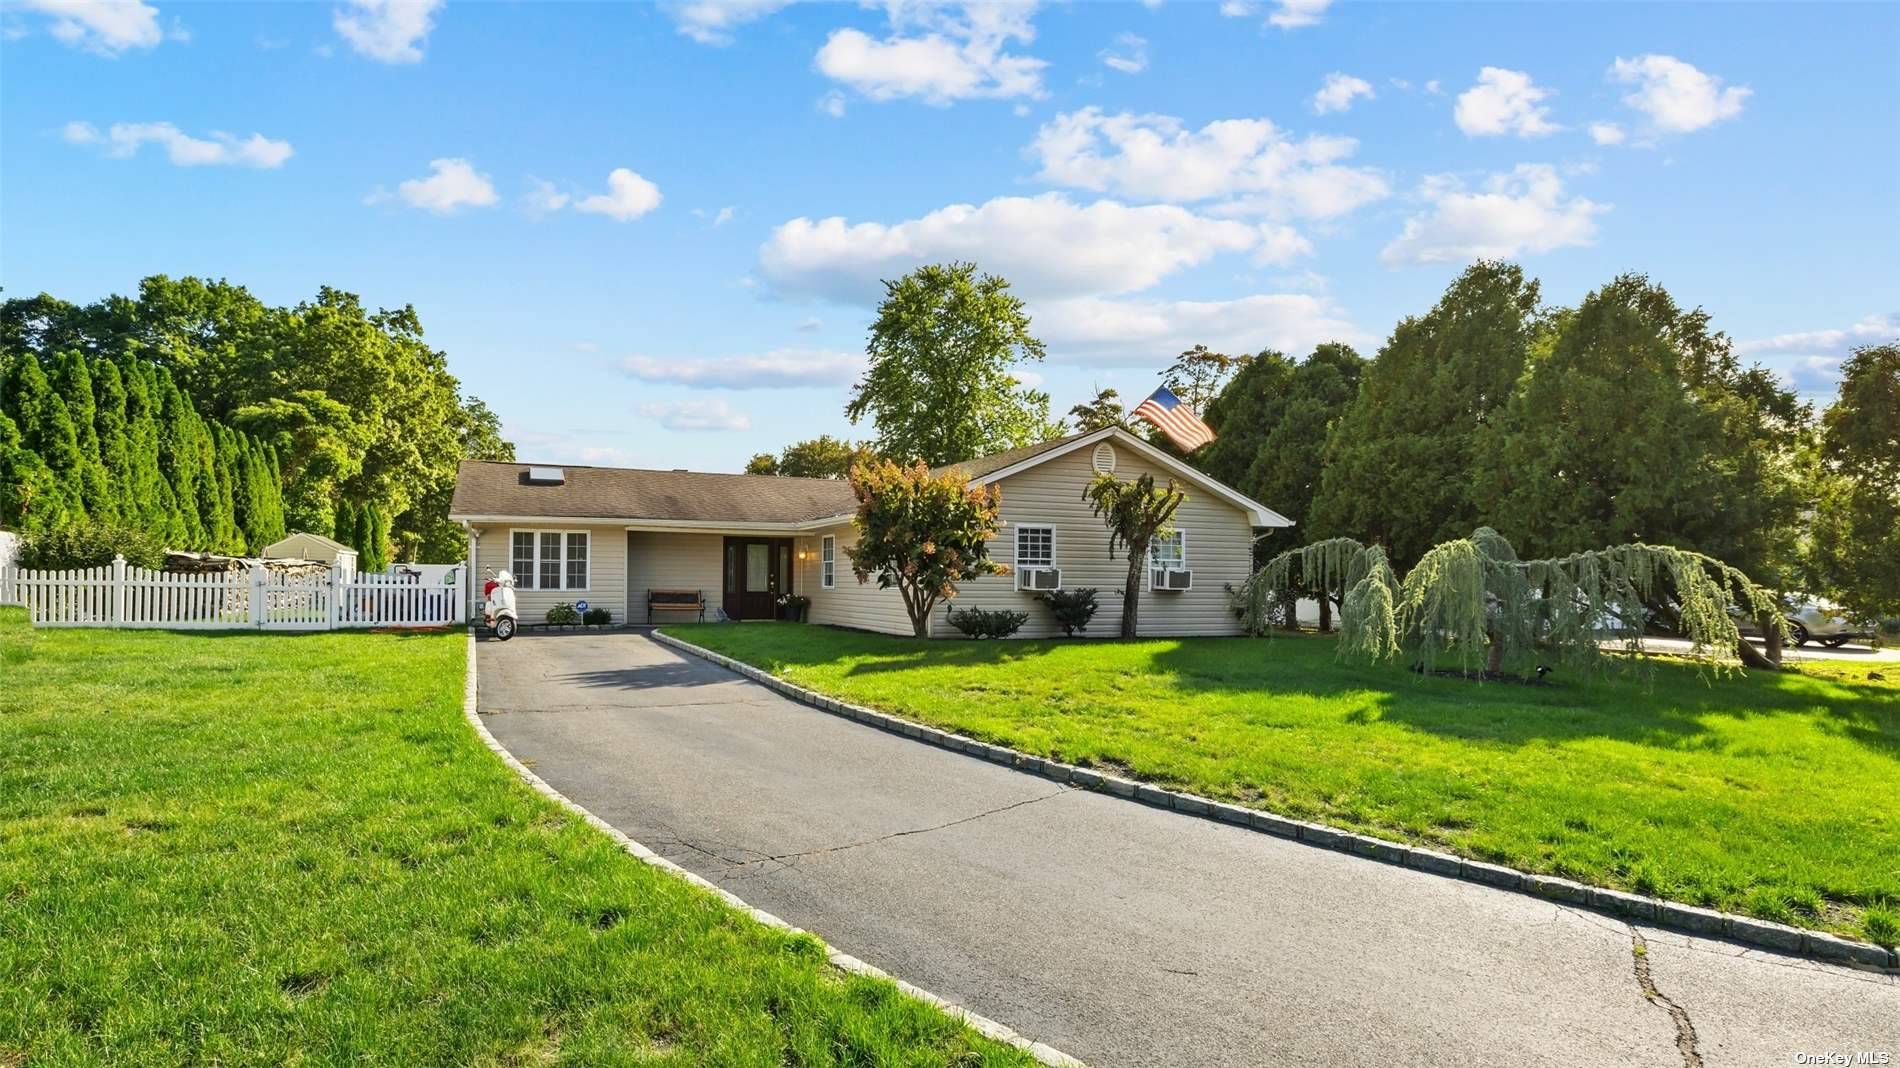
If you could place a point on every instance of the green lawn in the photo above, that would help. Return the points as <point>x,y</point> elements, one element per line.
<point>1774,795</point>
<point>291,849</point>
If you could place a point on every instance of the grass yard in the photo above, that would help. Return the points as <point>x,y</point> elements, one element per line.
<point>1773,795</point>
<point>291,849</point>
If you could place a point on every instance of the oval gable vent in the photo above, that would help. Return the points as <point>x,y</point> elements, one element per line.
<point>1104,459</point>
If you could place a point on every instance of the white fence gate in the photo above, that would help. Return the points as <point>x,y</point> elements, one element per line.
<point>119,595</point>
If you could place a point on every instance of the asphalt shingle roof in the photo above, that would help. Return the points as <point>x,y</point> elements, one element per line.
<point>485,487</point>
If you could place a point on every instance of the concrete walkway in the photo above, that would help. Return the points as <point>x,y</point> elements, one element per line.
<point>1121,934</point>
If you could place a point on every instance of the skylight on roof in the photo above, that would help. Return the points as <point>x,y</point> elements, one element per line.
<point>546,476</point>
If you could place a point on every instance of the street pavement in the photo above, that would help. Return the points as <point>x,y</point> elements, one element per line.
<point>1122,934</point>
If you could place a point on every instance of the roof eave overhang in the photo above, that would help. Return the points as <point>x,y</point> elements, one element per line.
<point>639,523</point>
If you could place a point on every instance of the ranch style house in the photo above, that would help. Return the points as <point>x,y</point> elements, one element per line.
<point>646,544</point>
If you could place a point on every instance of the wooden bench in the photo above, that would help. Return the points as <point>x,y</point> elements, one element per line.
<point>676,601</point>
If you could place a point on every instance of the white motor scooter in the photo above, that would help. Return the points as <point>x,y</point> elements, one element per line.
<point>499,609</point>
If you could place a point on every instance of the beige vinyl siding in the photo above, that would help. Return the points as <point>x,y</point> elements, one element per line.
<point>1219,552</point>
<point>668,560</point>
<point>849,603</point>
<point>606,575</point>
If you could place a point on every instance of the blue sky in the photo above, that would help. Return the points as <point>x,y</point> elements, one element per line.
<point>652,235</point>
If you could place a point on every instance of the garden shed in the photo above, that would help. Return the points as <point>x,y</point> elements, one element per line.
<point>305,546</point>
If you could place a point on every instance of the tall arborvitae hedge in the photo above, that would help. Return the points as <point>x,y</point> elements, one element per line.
<point>115,442</point>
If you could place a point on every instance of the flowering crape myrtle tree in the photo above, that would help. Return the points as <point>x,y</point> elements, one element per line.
<point>1475,594</point>
<point>921,534</point>
<point>1136,511</point>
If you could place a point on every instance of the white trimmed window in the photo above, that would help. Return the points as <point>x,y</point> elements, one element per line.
<point>1035,545</point>
<point>549,559</point>
<point>1168,553</point>
<point>828,561</point>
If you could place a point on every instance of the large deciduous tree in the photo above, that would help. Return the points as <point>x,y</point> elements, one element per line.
<point>1855,553</point>
<point>1135,511</point>
<point>1400,461</point>
<point>821,457</point>
<point>1101,412</point>
<point>939,386</point>
<point>921,534</point>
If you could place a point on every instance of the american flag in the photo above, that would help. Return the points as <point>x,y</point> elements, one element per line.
<point>1176,420</point>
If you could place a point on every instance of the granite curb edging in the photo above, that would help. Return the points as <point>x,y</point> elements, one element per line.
<point>845,962</point>
<point>1622,904</point>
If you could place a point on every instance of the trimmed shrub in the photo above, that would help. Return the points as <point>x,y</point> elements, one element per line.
<point>978,623</point>
<point>563,614</point>
<point>597,617</point>
<point>90,545</point>
<point>1072,608</point>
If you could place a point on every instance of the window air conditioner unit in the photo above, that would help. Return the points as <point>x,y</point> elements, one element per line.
<point>1039,578</point>
<point>1171,579</point>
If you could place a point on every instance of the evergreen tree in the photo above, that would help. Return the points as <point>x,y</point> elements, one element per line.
<point>1636,424</point>
<point>45,429</point>
<point>73,382</point>
<point>225,470</point>
<point>25,484</point>
<point>349,525</point>
<point>375,549</point>
<point>108,391</point>
<point>151,495</point>
<point>1399,463</point>
<point>178,460</point>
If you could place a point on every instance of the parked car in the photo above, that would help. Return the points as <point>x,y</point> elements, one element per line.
<point>1812,619</point>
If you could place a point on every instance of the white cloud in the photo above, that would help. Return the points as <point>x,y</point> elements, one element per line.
<point>1096,332</point>
<point>711,22</point>
<point>1155,157</point>
<point>957,53</point>
<point>221,149</point>
<point>569,446</point>
<point>1129,54</point>
<point>1281,245</point>
<point>1047,246</point>
<point>1504,102</point>
<point>718,218</point>
<point>628,197</point>
<point>104,27</point>
<point>1029,379</point>
<point>1433,87</point>
<point>1338,92</point>
<point>454,184</point>
<point>1677,97</point>
<point>390,31</point>
<point>543,198</point>
<point>777,369</point>
<point>1289,15</point>
<point>832,104</point>
<point>1606,133</point>
<point>1294,14</point>
<point>1836,342</point>
<point>809,326</point>
<point>1521,211</point>
<point>713,414</point>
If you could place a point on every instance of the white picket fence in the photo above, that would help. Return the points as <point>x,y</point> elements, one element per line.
<point>119,595</point>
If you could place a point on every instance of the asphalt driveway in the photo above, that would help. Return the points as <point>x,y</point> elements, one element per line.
<point>1121,934</point>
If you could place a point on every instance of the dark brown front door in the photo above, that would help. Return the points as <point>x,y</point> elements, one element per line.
<point>758,570</point>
